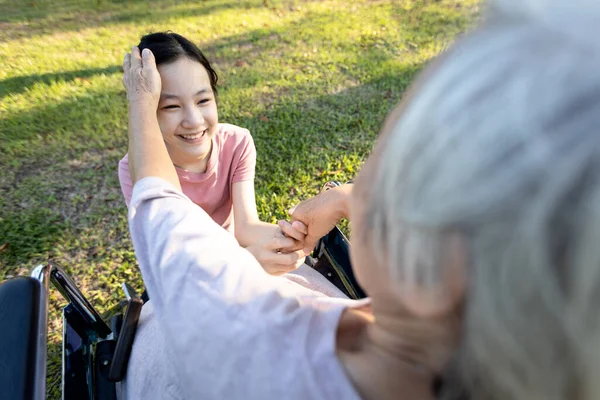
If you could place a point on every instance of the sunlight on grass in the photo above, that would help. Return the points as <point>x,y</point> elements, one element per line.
<point>311,80</point>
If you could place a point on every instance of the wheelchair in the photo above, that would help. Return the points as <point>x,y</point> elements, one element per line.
<point>95,351</point>
<point>94,355</point>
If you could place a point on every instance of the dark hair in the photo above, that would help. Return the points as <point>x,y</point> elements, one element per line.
<point>168,46</point>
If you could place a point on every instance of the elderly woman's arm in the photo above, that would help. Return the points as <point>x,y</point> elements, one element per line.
<point>148,154</point>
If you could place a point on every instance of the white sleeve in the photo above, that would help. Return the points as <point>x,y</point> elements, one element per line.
<point>231,328</point>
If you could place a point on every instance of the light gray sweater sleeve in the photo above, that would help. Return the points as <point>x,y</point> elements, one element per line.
<point>234,330</point>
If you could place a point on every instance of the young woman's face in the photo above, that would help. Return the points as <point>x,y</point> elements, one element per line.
<point>187,111</point>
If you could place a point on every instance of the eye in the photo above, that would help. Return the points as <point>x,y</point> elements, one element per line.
<point>170,107</point>
<point>203,101</point>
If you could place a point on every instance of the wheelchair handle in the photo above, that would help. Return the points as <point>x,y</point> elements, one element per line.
<point>71,293</point>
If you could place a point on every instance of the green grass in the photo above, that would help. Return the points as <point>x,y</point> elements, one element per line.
<point>312,80</point>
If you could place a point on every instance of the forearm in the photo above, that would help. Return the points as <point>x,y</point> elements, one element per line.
<point>250,232</point>
<point>148,154</point>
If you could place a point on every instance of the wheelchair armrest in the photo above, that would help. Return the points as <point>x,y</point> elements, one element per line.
<point>23,318</point>
<point>118,365</point>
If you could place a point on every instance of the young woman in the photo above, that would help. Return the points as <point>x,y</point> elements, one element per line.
<point>215,162</point>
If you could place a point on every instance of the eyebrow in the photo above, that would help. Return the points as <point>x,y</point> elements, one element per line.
<point>166,96</point>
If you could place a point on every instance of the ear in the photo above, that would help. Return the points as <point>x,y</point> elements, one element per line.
<point>447,294</point>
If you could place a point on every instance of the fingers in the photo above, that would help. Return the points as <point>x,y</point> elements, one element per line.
<point>284,269</point>
<point>309,243</point>
<point>278,263</point>
<point>136,58</point>
<point>280,243</point>
<point>149,62</point>
<point>289,230</point>
<point>299,226</point>
<point>274,256</point>
<point>126,62</point>
<point>286,259</point>
<point>279,233</point>
<point>126,66</point>
<point>141,77</point>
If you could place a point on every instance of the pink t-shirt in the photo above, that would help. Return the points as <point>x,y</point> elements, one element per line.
<point>232,159</point>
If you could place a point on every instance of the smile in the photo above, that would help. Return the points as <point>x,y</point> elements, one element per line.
<point>192,137</point>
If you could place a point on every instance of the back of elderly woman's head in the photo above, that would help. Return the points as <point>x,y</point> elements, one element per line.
<point>500,143</point>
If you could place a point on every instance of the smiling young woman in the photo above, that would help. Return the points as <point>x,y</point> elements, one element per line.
<point>215,162</point>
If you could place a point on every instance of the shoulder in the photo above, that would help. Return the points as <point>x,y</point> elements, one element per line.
<point>234,133</point>
<point>234,139</point>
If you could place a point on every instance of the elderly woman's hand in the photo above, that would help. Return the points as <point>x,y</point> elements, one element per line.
<point>318,215</point>
<point>141,77</point>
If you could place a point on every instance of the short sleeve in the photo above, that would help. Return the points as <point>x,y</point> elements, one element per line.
<point>125,179</point>
<point>244,170</point>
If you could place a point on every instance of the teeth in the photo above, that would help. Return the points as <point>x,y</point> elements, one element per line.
<point>191,137</point>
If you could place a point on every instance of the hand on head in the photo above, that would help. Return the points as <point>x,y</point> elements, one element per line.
<point>141,78</point>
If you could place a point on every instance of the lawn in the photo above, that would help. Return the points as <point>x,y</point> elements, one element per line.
<point>311,80</point>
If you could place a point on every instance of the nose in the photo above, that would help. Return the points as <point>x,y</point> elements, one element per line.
<point>193,118</point>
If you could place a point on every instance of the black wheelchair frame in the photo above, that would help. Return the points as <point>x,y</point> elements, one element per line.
<point>94,355</point>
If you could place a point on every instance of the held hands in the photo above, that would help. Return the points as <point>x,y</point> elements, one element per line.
<point>141,78</point>
<point>294,240</point>
<point>317,216</point>
<point>279,254</point>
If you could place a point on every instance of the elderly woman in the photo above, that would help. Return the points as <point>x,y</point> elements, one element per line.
<point>476,224</point>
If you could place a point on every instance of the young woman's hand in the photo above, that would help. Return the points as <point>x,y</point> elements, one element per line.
<point>141,77</point>
<point>274,255</point>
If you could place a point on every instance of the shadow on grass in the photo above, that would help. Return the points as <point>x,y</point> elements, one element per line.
<point>299,143</point>
<point>251,46</point>
<point>296,135</point>
<point>295,140</point>
<point>299,139</point>
<point>425,23</point>
<point>20,84</point>
<point>89,120</point>
<point>302,141</point>
<point>79,117</point>
<point>22,20</point>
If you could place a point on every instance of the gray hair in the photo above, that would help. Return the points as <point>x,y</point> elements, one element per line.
<point>501,144</point>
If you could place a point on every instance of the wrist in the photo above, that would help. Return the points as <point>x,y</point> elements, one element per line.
<point>341,200</point>
<point>142,115</point>
<point>145,104</point>
<point>252,250</point>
